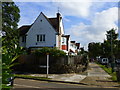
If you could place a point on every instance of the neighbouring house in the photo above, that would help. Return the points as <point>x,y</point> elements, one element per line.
<point>74,48</point>
<point>45,32</point>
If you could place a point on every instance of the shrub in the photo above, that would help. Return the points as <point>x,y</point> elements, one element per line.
<point>52,51</point>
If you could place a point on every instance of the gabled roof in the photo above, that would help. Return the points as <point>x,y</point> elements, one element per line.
<point>53,21</point>
<point>24,29</point>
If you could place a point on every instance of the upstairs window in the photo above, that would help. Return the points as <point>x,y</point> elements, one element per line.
<point>41,38</point>
<point>23,38</point>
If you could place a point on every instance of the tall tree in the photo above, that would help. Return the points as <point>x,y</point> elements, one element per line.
<point>111,42</point>
<point>10,18</point>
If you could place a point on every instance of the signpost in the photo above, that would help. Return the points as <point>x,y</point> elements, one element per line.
<point>47,65</point>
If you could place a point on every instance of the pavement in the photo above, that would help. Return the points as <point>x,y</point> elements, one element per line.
<point>98,77</point>
<point>95,76</point>
<point>75,78</point>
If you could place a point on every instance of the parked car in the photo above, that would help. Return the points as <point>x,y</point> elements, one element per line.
<point>104,61</point>
<point>117,61</point>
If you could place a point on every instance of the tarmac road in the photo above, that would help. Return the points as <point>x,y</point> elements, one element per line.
<point>34,84</point>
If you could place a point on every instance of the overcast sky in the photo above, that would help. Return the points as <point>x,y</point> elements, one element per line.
<point>85,22</point>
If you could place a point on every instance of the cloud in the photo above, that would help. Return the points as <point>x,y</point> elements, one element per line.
<point>102,19</point>
<point>30,10</point>
<point>79,9</point>
<point>95,32</point>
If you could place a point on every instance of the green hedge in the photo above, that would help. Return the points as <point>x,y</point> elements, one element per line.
<point>52,51</point>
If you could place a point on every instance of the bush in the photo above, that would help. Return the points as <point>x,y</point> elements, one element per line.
<point>52,51</point>
<point>66,68</point>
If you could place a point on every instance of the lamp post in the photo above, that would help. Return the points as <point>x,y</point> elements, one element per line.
<point>112,56</point>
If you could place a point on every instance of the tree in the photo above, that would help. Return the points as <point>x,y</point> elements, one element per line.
<point>94,49</point>
<point>10,18</point>
<point>109,47</point>
<point>10,48</point>
<point>111,42</point>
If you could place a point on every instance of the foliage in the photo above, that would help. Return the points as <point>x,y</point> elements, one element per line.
<point>94,49</point>
<point>110,46</point>
<point>10,48</point>
<point>31,77</point>
<point>84,57</point>
<point>52,51</point>
<point>66,68</point>
<point>109,71</point>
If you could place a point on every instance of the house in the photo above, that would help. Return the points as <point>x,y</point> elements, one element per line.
<point>74,48</point>
<point>45,32</point>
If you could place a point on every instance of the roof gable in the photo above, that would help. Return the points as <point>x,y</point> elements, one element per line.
<point>52,21</point>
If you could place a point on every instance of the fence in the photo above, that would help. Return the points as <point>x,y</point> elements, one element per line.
<point>34,63</point>
<point>41,60</point>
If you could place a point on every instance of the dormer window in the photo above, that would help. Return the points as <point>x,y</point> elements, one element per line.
<point>41,20</point>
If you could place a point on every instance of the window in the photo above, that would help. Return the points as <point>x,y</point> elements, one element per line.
<point>41,38</point>
<point>23,38</point>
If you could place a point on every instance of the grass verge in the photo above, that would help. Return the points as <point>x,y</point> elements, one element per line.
<point>31,77</point>
<point>109,71</point>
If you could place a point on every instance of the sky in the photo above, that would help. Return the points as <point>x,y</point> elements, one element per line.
<point>85,22</point>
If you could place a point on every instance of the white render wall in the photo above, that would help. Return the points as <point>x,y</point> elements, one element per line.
<point>63,41</point>
<point>73,47</point>
<point>61,26</point>
<point>57,41</point>
<point>37,28</point>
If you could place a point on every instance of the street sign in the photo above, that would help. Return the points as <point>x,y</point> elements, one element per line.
<point>43,66</point>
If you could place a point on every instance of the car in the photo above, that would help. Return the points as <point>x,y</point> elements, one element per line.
<point>117,61</point>
<point>104,61</point>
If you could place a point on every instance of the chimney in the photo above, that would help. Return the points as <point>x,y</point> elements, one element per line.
<point>58,19</point>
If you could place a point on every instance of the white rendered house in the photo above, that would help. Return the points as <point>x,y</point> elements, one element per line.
<point>44,32</point>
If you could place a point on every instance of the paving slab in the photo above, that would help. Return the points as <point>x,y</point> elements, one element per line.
<point>63,77</point>
<point>98,77</point>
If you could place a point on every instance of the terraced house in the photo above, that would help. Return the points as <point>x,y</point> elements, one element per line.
<point>45,32</point>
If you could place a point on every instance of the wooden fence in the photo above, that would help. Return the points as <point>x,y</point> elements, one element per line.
<point>35,63</point>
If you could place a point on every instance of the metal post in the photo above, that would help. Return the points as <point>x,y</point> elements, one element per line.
<point>47,65</point>
<point>112,56</point>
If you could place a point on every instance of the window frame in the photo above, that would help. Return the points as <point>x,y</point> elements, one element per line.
<point>41,37</point>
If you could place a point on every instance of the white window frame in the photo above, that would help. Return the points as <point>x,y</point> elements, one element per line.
<point>41,37</point>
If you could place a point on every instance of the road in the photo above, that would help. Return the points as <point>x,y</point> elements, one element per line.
<point>27,83</point>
